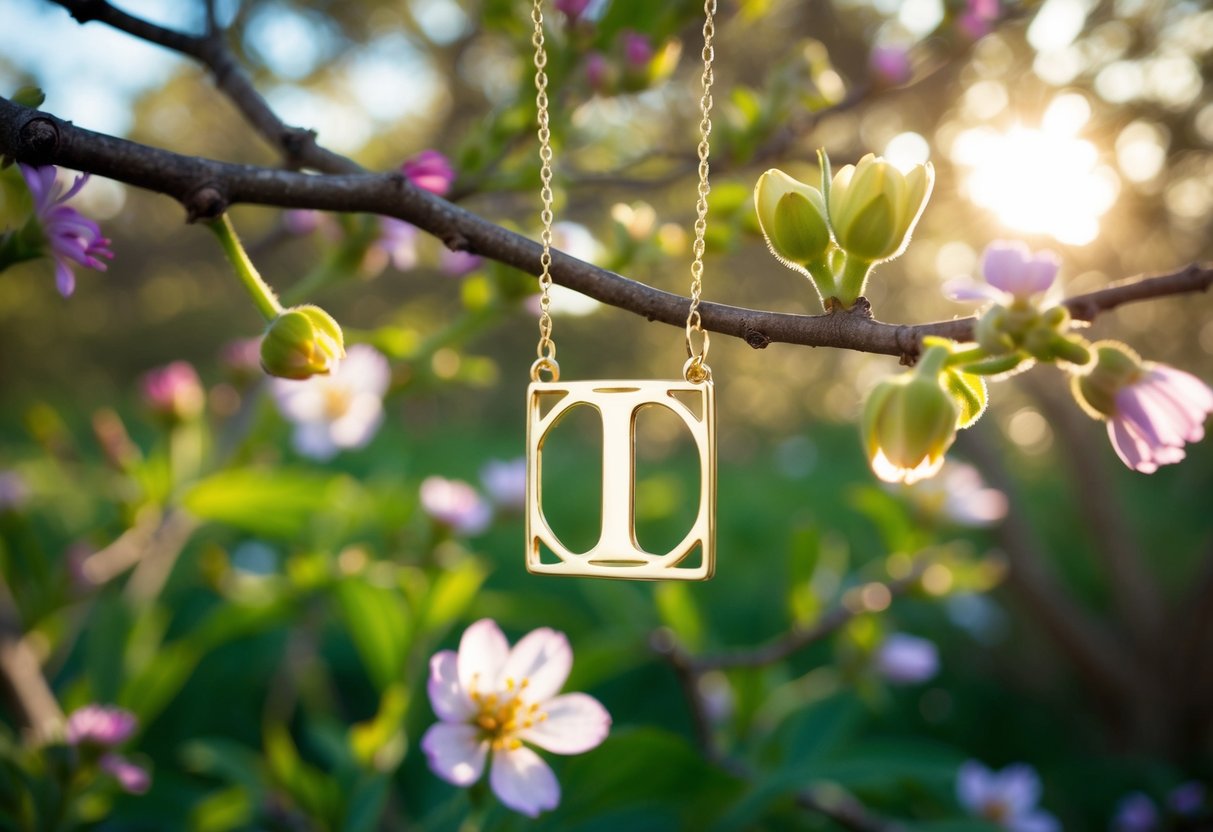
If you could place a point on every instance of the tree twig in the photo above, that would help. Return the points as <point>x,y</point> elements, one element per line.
<point>35,705</point>
<point>207,188</point>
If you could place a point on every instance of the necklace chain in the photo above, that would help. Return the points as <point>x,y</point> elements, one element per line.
<point>696,369</point>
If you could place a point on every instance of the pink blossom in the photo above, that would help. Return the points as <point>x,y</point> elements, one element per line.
<point>458,263</point>
<point>959,495</point>
<point>890,65</point>
<point>72,237</point>
<point>906,660</point>
<point>596,70</point>
<point>505,482</point>
<point>431,171</point>
<point>131,777</point>
<point>398,240</point>
<point>455,504</point>
<point>1156,415</point>
<point>1006,798</point>
<point>637,49</point>
<point>100,725</point>
<point>242,358</point>
<point>174,392</point>
<point>303,221</point>
<point>978,18</point>
<point>572,9</point>
<point>338,411</point>
<point>1013,274</point>
<point>490,698</point>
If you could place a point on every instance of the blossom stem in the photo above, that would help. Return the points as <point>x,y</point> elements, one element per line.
<point>823,278</point>
<point>263,296</point>
<point>969,356</point>
<point>851,282</point>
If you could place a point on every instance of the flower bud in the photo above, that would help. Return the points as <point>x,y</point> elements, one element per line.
<point>909,422</point>
<point>302,342</point>
<point>174,392</point>
<point>873,206</point>
<point>1114,366</point>
<point>793,218</point>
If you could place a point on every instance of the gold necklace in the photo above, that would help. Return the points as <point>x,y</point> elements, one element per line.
<point>617,554</point>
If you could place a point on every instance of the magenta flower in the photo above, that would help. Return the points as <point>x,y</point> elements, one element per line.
<point>131,777</point>
<point>637,49</point>
<point>505,482</point>
<point>456,505</point>
<point>1006,798</point>
<point>174,392</point>
<point>490,698</point>
<point>70,236</point>
<point>338,411</point>
<point>100,725</point>
<point>978,18</point>
<point>597,70</point>
<point>431,171</point>
<point>905,659</point>
<point>890,65</point>
<point>1013,274</point>
<point>572,9</point>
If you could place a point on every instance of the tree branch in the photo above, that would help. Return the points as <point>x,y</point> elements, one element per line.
<point>297,145</point>
<point>206,188</point>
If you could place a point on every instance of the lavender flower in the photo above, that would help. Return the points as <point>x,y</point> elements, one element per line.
<point>1186,798</point>
<point>100,725</point>
<point>890,65</point>
<point>1136,812</point>
<point>505,482</point>
<point>339,411</point>
<point>1006,798</point>
<point>131,777</point>
<point>70,236</point>
<point>490,698</point>
<point>1156,415</point>
<point>398,240</point>
<point>1013,274</point>
<point>456,505</point>
<point>905,659</point>
<point>14,493</point>
<point>458,263</point>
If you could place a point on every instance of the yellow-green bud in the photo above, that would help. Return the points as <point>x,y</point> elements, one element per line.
<point>990,333</point>
<point>909,422</point>
<point>302,342</point>
<point>793,218</point>
<point>1113,367</point>
<point>873,206</point>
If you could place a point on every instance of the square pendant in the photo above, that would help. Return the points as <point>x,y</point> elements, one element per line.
<point>617,554</point>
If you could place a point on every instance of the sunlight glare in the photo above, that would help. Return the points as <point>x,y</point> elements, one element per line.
<point>1039,181</point>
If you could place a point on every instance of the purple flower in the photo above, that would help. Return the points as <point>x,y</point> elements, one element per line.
<point>338,411</point>
<point>174,392</point>
<point>455,504</point>
<point>572,9</point>
<point>303,221</point>
<point>1186,798</point>
<point>505,482</point>
<point>14,493</point>
<point>131,777</point>
<point>1006,798</point>
<point>637,49</point>
<point>1135,812</point>
<point>458,263</point>
<point>978,18</point>
<point>431,171</point>
<point>1156,414</point>
<point>906,660</point>
<point>490,698</point>
<point>398,240</point>
<point>100,725</point>
<point>72,237</point>
<point>596,70</point>
<point>1013,274</point>
<point>890,65</point>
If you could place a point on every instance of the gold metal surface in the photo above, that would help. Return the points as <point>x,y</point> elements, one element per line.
<point>617,554</point>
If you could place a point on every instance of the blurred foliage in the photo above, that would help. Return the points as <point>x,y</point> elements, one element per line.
<point>270,619</point>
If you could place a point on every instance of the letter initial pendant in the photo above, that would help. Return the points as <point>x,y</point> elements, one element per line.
<point>617,554</point>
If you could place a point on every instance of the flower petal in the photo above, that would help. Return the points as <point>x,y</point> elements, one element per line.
<point>973,782</point>
<point>573,723</point>
<point>456,753</point>
<point>449,700</point>
<point>523,782</point>
<point>1037,821</point>
<point>482,651</point>
<point>65,279</point>
<point>543,657</point>
<point>1019,788</point>
<point>968,289</point>
<point>314,441</point>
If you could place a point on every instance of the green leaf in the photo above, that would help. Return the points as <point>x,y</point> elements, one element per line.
<point>276,503</point>
<point>379,744</point>
<point>969,392</point>
<point>803,603</point>
<point>677,609</point>
<point>375,617</point>
<point>453,592</point>
<point>230,808</point>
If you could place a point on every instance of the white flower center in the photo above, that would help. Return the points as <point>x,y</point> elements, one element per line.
<point>501,715</point>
